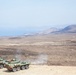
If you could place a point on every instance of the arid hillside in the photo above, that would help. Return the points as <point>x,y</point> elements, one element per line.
<point>53,49</point>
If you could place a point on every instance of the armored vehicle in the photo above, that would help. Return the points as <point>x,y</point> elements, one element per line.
<point>2,63</point>
<point>16,65</point>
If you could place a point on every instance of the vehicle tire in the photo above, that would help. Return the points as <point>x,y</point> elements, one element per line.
<point>22,67</point>
<point>1,66</point>
<point>26,66</point>
<point>14,69</point>
<point>18,68</point>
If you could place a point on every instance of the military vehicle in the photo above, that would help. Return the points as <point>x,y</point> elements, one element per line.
<point>2,63</point>
<point>16,65</point>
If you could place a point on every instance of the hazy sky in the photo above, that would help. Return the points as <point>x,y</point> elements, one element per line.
<point>20,16</point>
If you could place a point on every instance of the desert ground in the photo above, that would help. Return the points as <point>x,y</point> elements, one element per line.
<point>54,49</point>
<point>53,54</point>
<point>43,70</point>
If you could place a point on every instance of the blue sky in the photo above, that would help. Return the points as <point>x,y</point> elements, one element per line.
<point>21,16</point>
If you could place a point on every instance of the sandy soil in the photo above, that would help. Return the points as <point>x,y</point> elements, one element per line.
<point>43,70</point>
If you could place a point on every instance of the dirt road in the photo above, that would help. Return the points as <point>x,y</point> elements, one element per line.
<point>43,70</point>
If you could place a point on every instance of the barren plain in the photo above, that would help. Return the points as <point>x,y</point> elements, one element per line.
<point>43,70</point>
<point>59,49</point>
<point>53,54</point>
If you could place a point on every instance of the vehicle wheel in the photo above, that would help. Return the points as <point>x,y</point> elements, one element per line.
<point>22,67</point>
<point>18,68</point>
<point>14,69</point>
<point>27,66</point>
<point>1,66</point>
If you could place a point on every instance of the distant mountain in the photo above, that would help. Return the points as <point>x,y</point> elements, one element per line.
<point>49,31</point>
<point>68,29</point>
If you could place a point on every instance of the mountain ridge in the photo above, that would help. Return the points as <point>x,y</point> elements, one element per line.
<point>68,29</point>
<point>53,30</point>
